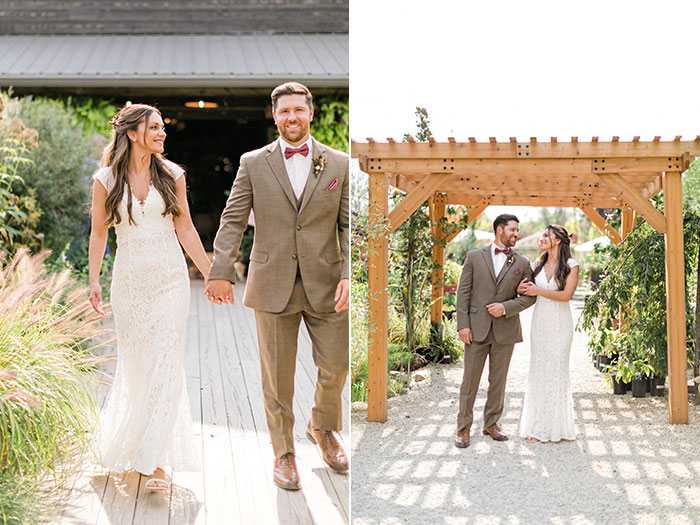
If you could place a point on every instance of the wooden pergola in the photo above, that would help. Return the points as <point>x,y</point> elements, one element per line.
<point>584,175</point>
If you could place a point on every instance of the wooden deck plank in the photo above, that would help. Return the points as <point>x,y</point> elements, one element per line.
<point>247,458</point>
<point>119,501</point>
<point>187,490</point>
<point>220,496</point>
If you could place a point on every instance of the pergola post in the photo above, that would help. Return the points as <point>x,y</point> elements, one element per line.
<point>675,298</point>
<point>437,276</point>
<point>378,297</point>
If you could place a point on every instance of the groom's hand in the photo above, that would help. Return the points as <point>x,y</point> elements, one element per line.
<point>496,309</point>
<point>465,334</point>
<point>342,295</point>
<point>219,291</point>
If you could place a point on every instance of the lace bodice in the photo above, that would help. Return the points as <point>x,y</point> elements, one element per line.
<point>551,284</point>
<point>148,216</point>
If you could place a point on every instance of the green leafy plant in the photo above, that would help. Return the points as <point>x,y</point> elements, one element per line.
<point>60,169</point>
<point>19,214</point>
<point>633,282</point>
<point>330,123</point>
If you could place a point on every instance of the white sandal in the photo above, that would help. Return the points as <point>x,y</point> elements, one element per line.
<point>152,484</point>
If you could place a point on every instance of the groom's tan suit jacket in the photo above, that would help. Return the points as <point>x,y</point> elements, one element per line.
<point>290,235</point>
<point>479,286</point>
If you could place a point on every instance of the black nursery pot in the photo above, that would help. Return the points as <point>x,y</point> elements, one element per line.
<point>619,388</point>
<point>657,385</point>
<point>603,360</point>
<point>639,387</point>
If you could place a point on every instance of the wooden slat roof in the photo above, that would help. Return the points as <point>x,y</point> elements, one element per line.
<point>530,173</point>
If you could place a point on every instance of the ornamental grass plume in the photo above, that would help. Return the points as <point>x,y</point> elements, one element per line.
<point>46,366</point>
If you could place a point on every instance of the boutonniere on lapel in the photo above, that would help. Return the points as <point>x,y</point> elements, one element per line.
<point>319,165</point>
<point>511,260</point>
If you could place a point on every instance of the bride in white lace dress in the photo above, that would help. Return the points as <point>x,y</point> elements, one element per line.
<point>146,425</point>
<point>548,413</point>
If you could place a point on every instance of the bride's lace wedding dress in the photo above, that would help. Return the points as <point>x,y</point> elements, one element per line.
<point>548,412</point>
<point>147,421</point>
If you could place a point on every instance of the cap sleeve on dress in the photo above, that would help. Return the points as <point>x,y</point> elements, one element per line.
<point>104,175</point>
<point>572,263</point>
<point>176,170</point>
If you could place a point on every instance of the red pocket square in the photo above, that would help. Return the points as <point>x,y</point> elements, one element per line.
<point>333,185</point>
<point>517,272</point>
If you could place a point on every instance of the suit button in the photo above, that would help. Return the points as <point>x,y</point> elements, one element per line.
<point>294,256</point>
<point>298,227</point>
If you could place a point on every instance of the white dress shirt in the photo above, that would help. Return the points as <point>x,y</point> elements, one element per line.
<point>298,166</point>
<point>498,259</point>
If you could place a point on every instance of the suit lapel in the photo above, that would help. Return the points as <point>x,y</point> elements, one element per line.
<point>312,180</point>
<point>504,271</point>
<point>489,262</point>
<point>274,160</point>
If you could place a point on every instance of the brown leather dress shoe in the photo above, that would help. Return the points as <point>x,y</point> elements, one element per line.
<point>285,473</point>
<point>462,438</point>
<point>331,450</point>
<point>495,432</point>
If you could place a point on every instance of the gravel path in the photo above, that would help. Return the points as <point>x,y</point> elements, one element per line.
<point>628,465</point>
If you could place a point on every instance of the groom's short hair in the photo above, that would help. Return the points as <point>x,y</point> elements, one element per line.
<point>291,88</point>
<point>503,219</point>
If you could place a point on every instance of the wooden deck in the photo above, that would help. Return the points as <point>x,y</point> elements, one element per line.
<point>235,484</point>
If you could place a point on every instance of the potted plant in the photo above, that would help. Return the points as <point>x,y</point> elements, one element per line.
<point>640,381</point>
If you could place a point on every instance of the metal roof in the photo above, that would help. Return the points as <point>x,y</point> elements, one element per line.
<point>256,60</point>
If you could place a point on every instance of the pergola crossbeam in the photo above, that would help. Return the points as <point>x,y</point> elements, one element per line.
<point>415,198</point>
<point>631,196</point>
<point>602,224</point>
<point>473,213</point>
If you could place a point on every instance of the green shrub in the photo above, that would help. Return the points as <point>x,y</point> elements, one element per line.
<point>60,169</point>
<point>19,213</point>
<point>330,123</point>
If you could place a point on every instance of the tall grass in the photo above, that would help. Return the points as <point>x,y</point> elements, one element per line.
<point>46,406</point>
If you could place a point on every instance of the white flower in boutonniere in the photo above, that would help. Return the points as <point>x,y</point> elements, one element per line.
<point>511,259</point>
<point>319,164</point>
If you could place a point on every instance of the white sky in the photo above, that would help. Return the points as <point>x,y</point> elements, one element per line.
<point>525,69</point>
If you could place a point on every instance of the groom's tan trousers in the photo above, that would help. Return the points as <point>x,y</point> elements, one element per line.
<point>474,358</point>
<point>277,339</point>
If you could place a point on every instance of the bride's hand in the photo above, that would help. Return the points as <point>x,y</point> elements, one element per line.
<point>96,298</point>
<point>529,289</point>
<point>522,287</point>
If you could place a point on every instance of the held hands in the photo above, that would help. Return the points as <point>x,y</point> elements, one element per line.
<point>219,291</point>
<point>342,295</point>
<point>95,298</point>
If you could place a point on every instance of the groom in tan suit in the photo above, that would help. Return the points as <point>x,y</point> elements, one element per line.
<point>299,269</point>
<point>488,323</point>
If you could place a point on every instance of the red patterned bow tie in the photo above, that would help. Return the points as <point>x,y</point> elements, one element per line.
<point>504,251</point>
<point>289,152</point>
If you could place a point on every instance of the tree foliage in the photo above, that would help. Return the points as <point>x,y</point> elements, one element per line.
<point>59,171</point>
<point>330,123</point>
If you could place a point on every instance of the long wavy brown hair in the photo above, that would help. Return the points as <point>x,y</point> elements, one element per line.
<point>117,154</point>
<point>563,269</point>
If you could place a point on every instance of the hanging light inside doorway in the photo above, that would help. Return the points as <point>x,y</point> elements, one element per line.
<point>201,104</point>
